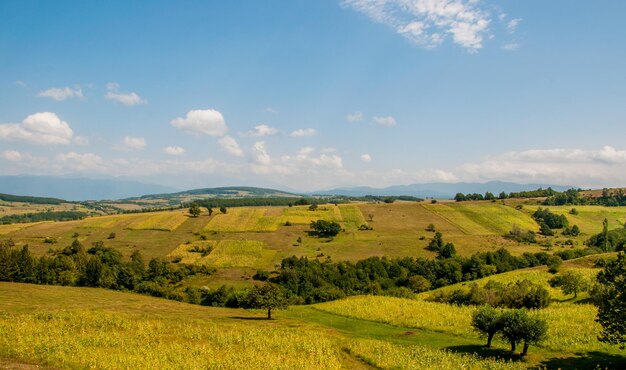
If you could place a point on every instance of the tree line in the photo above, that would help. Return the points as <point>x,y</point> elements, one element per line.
<point>43,216</point>
<point>461,197</point>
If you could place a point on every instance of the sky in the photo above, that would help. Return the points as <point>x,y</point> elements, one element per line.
<point>311,95</point>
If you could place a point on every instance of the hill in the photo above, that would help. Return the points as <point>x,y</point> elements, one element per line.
<point>77,189</point>
<point>441,190</point>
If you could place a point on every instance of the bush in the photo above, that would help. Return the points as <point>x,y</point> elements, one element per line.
<point>323,228</point>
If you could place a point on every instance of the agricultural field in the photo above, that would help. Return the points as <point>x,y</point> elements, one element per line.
<point>165,221</point>
<point>238,254</point>
<point>302,215</point>
<point>589,218</point>
<point>243,219</point>
<point>20,208</point>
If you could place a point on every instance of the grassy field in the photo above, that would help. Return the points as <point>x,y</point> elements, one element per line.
<point>67,327</point>
<point>399,229</point>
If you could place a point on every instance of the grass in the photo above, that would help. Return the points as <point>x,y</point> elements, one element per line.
<point>303,215</point>
<point>192,252</point>
<point>163,221</point>
<point>351,216</point>
<point>243,220</point>
<point>589,218</point>
<point>238,254</point>
<point>7,229</point>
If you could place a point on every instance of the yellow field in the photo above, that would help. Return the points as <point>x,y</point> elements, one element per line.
<point>302,214</point>
<point>6,229</point>
<point>351,215</point>
<point>185,253</point>
<point>589,218</point>
<point>165,221</point>
<point>571,326</point>
<point>537,275</point>
<point>97,339</point>
<point>484,217</point>
<point>386,355</point>
<point>107,222</point>
<point>243,220</point>
<point>239,253</point>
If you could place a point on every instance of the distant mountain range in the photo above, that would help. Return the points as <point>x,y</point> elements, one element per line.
<point>439,189</point>
<point>77,188</point>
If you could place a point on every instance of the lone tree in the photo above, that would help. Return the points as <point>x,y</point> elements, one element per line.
<point>518,326</point>
<point>487,321</point>
<point>268,297</point>
<point>325,228</point>
<point>223,209</point>
<point>570,282</point>
<point>210,210</point>
<point>610,297</point>
<point>194,210</point>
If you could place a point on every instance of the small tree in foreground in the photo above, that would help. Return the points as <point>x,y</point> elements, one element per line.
<point>518,326</point>
<point>610,297</point>
<point>268,297</point>
<point>487,321</point>
<point>194,210</point>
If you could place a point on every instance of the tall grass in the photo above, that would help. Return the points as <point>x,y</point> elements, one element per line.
<point>96,339</point>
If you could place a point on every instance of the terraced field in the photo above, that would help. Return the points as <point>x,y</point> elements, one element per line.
<point>243,220</point>
<point>484,218</point>
<point>164,221</point>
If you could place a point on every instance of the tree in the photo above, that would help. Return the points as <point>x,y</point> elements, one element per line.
<point>610,297</point>
<point>436,243</point>
<point>570,282</point>
<point>210,210</point>
<point>223,209</point>
<point>325,228</point>
<point>194,210</point>
<point>459,197</point>
<point>487,321</point>
<point>605,235</point>
<point>502,195</point>
<point>518,325</point>
<point>447,251</point>
<point>418,283</point>
<point>268,297</point>
<point>544,229</point>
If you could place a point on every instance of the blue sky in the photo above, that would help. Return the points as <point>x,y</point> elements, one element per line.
<point>314,94</point>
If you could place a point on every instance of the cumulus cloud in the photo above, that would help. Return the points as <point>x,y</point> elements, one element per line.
<point>81,140</point>
<point>357,116</point>
<point>428,23</point>
<point>202,122</point>
<point>384,121</point>
<point>132,143</point>
<point>38,128</point>
<point>11,155</point>
<point>62,93</point>
<point>230,146</point>
<point>366,158</point>
<point>303,132</point>
<point>511,26</point>
<point>174,150</point>
<point>262,130</point>
<point>80,162</point>
<point>260,155</point>
<point>125,98</point>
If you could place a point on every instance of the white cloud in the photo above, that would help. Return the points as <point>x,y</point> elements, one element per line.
<point>428,23</point>
<point>260,155</point>
<point>303,132</point>
<point>230,146</point>
<point>20,83</point>
<point>270,110</point>
<point>11,155</point>
<point>262,130</point>
<point>306,150</point>
<point>357,116</point>
<point>510,46</point>
<point>87,162</point>
<point>366,158</point>
<point>206,122</point>
<point>132,143</point>
<point>81,140</point>
<point>384,121</point>
<point>127,99</point>
<point>511,26</point>
<point>174,150</point>
<point>62,93</point>
<point>38,128</point>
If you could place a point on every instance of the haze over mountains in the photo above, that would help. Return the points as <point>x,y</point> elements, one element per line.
<point>77,189</point>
